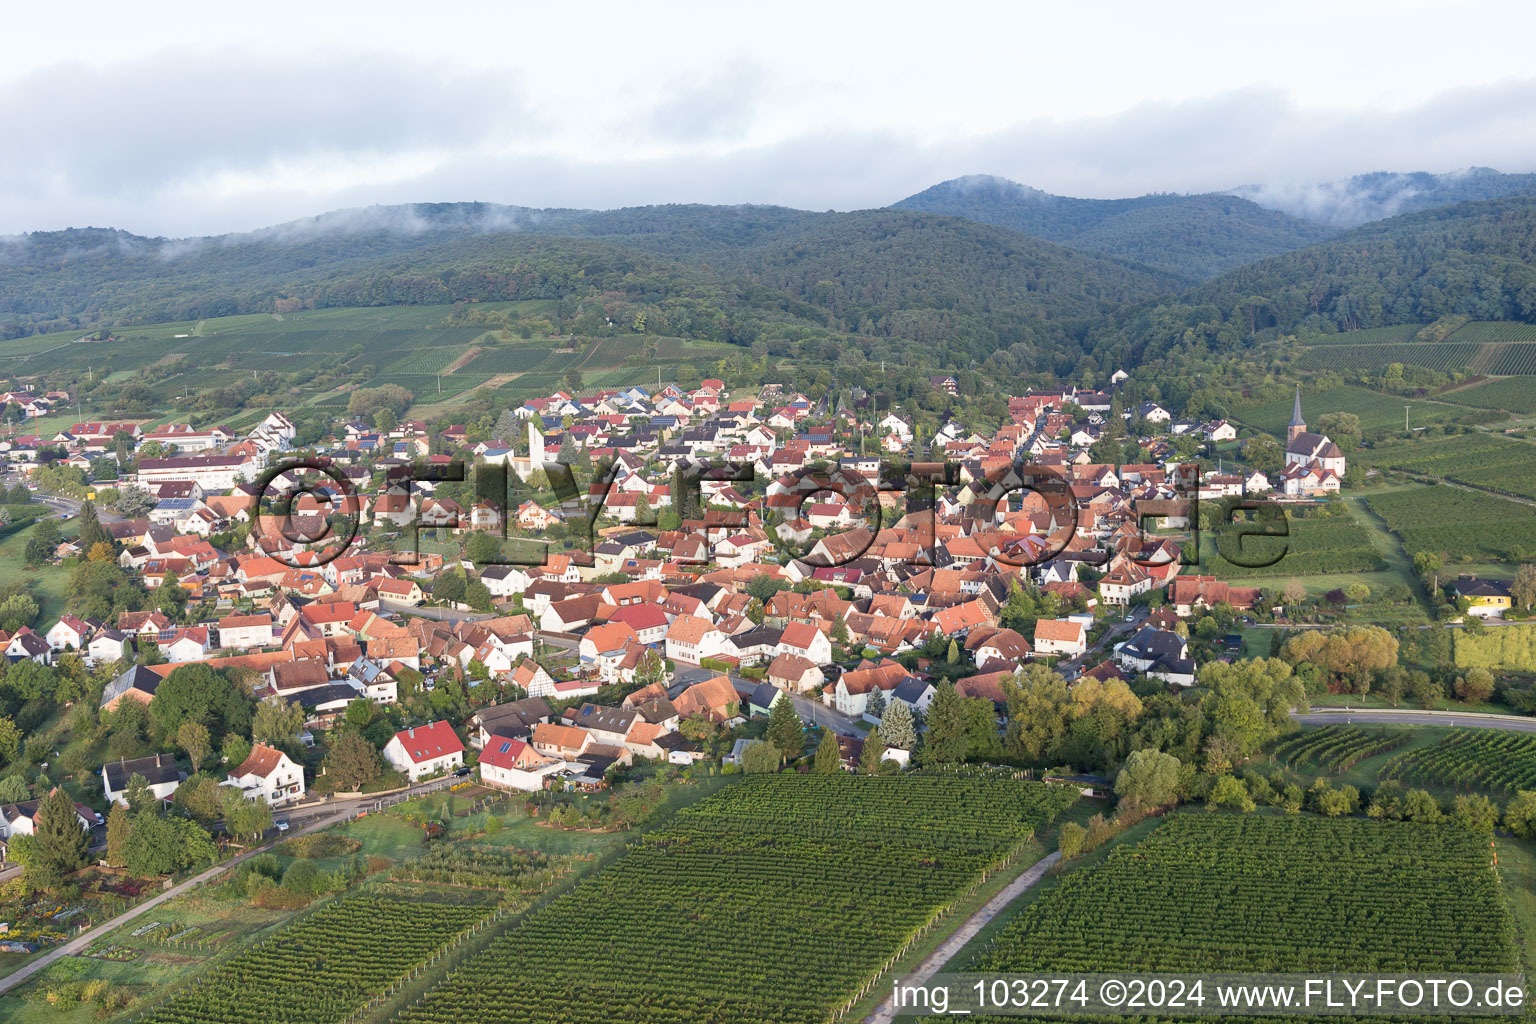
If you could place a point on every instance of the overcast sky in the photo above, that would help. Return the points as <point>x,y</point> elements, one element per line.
<point>193,118</point>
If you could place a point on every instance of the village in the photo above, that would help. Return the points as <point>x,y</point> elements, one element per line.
<point>685,618</point>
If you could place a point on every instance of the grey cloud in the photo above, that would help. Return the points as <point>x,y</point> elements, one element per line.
<point>144,172</point>
<point>132,130</point>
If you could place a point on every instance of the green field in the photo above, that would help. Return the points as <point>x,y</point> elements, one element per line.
<point>1377,411</point>
<point>1456,523</point>
<point>1263,892</point>
<point>774,900</point>
<point>1487,461</point>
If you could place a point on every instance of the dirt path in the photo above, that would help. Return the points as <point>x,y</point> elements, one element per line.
<point>968,930</point>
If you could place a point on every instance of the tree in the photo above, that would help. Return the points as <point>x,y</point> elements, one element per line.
<point>874,704</point>
<point>481,548</point>
<point>759,757</point>
<point>13,789</point>
<point>450,587</point>
<point>897,728</point>
<point>1474,812</point>
<point>163,846</point>
<point>352,762</point>
<point>134,501</point>
<point>1520,814</point>
<point>244,817</point>
<point>1264,454</point>
<point>1293,593</point>
<point>16,611</point>
<point>91,531</point>
<point>478,596</point>
<point>1071,840</point>
<point>234,750</point>
<point>193,737</point>
<point>1229,791</point>
<point>10,741</point>
<point>1523,587</point>
<point>785,730</point>
<point>945,741</point>
<point>1149,779</point>
<point>1475,686</point>
<point>829,760</point>
<point>276,722</point>
<point>138,794</point>
<point>199,693</point>
<point>763,586</point>
<point>118,827</point>
<point>1420,805</point>
<point>872,754</point>
<point>62,845</point>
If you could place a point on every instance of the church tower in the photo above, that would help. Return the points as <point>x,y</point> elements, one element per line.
<point>1297,426</point>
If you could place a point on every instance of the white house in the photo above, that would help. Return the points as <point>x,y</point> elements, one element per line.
<point>20,819</point>
<point>159,772</point>
<point>268,774</point>
<point>68,634</point>
<point>425,750</point>
<point>1060,636</point>
<point>513,764</point>
<point>692,639</point>
<point>807,641</point>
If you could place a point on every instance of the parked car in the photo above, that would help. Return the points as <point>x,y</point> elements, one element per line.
<point>281,824</point>
<point>459,773</point>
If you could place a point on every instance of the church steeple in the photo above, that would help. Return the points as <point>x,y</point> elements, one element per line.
<point>1297,424</point>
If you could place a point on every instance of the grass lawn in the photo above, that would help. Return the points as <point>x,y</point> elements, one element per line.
<point>1517,868</point>
<point>46,583</point>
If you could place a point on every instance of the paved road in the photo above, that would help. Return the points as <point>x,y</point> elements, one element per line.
<point>814,712</point>
<point>302,821</point>
<point>968,930</point>
<point>90,935</point>
<point>1389,716</point>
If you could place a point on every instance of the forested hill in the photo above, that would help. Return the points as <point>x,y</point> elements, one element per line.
<point>737,270</point>
<point>1476,259</point>
<point>1196,236</point>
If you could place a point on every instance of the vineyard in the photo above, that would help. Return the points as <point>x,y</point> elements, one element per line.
<point>1517,394</point>
<point>1479,460</point>
<point>1336,748</point>
<point>1509,359</point>
<point>325,966</point>
<point>1208,892</point>
<point>1457,523</point>
<point>1470,759</point>
<point>1313,547</point>
<point>1495,330</point>
<point>1444,356</point>
<point>774,900</point>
